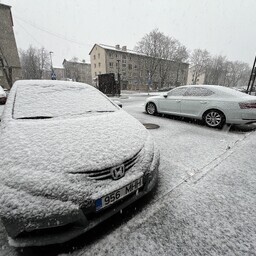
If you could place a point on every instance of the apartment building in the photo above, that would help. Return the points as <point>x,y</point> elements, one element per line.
<point>10,69</point>
<point>77,71</point>
<point>132,67</point>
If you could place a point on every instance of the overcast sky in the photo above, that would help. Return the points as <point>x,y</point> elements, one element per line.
<point>71,27</point>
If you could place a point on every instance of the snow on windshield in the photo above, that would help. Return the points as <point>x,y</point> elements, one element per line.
<point>58,98</point>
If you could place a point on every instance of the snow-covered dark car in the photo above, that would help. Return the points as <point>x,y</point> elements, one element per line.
<point>70,158</point>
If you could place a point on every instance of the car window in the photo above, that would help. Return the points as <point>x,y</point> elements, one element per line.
<point>177,92</point>
<point>198,91</point>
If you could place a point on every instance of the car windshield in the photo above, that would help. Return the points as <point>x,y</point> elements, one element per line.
<point>47,100</point>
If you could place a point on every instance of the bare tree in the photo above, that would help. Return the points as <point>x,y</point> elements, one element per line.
<point>215,71</point>
<point>199,60</point>
<point>33,62</point>
<point>237,72</point>
<point>152,45</point>
<point>160,50</point>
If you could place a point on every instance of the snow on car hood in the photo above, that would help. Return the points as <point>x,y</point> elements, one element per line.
<point>90,142</point>
<point>38,158</point>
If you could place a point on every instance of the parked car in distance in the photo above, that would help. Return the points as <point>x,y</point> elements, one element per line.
<point>3,96</point>
<point>70,158</point>
<point>214,104</point>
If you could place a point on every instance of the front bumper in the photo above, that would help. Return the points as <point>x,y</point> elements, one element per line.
<point>86,220</point>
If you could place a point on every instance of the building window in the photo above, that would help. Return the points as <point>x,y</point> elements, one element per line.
<point>99,64</point>
<point>130,66</point>
<point>123,65</point>
<point>98,55</point>
<point>135,66</point>
<point>111,64</point>
<point>124,56</point>
<point>94,57</point>
<point>94,65</point>
<point>111,55</point>
<point>123,61</point>
<point>95,73</point>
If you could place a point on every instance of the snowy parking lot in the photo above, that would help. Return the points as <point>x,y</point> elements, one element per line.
<point>204,203</point>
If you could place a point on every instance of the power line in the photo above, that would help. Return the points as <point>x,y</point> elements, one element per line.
<point>60,36</point>
<point>29,34</point>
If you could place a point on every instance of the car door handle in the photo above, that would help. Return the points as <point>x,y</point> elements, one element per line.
<point>203,102</point>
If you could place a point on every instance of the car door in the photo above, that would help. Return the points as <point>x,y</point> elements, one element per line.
<point>171,103</point>
<point>195,100</point>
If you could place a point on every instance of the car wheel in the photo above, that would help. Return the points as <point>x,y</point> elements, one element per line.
<point>214,118</point>
<point>151,108</point>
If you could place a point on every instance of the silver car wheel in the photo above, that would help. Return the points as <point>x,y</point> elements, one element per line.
<point>151,108</point>
<point>214,118</point>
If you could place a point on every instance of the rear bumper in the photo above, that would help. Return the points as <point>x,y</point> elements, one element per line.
<point>85,221</point>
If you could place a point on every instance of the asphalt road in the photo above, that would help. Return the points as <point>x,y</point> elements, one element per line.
<point>204,203</point>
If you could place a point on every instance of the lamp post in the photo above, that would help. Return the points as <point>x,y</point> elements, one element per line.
<point>118,76</point>
<point>53,75</point>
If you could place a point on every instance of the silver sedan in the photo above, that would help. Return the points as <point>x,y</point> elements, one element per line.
<point>214,104</point>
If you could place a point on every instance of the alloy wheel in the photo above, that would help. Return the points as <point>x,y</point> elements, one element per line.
<point>214,119</point>
<point>151,108</point>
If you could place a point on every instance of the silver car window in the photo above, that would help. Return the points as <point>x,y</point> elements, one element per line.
<point>177,92</point>
<point>198,91</point>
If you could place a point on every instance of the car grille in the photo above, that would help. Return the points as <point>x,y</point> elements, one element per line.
<point>106,173</point>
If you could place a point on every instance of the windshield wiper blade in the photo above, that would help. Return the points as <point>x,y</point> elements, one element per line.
<point>36,117</point>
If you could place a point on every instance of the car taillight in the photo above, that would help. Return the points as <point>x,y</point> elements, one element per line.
<point>246,105</point>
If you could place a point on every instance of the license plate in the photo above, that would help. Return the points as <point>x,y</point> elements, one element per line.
<point>118,194</point>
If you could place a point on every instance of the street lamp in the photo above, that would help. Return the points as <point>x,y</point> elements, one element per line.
<point>53,75</point>
<point>118,75</point>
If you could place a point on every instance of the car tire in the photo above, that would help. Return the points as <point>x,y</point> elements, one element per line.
<point>214,118</point>
<point>151,108</point>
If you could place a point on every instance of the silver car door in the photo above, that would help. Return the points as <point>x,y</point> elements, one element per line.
<point>171,103</point>
<point>195,100</point>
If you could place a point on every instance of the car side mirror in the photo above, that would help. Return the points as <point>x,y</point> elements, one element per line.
<point>165,95</point>
<point>118,103</point>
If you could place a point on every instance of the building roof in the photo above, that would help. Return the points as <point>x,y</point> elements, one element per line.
<point>77,62</point>
<point>5,5</point>
<point>113,48</point>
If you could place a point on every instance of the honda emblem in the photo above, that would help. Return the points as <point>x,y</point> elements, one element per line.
<point>118,172</point>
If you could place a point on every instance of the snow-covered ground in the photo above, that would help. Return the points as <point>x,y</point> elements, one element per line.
<point>205,201</point>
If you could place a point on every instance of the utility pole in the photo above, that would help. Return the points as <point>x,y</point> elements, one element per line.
<point>252,78</point>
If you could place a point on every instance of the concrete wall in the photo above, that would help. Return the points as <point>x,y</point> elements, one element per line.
<point>8,47</point>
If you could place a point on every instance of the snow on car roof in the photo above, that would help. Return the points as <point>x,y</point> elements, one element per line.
<point>221,89</point>
<point>37,98</point>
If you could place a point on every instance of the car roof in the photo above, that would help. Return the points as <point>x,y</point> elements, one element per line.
<point>218,89</point>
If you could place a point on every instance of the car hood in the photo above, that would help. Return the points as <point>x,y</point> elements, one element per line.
<point>84,143</point>
<point>42,162</point>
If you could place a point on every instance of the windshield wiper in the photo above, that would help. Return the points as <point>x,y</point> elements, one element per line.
<point>36,117</point>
